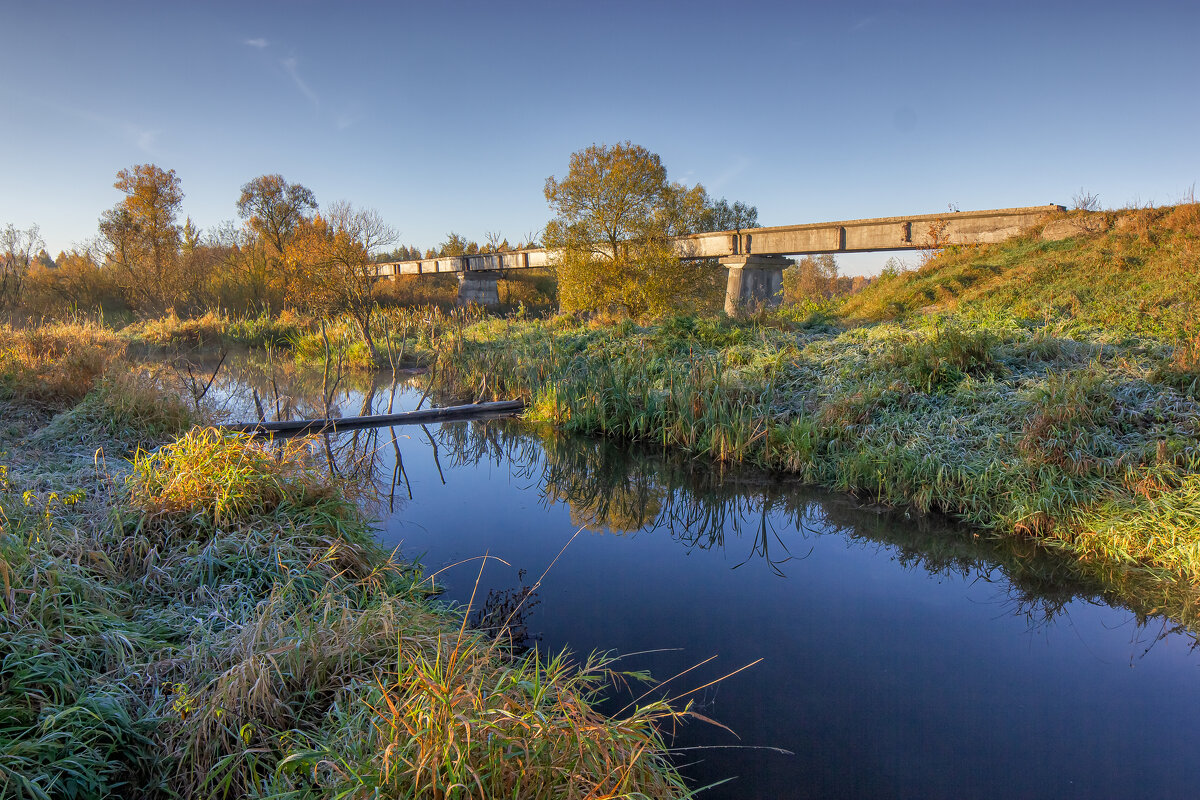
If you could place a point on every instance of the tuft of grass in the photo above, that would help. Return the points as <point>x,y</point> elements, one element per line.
<point>1182,369</point>
<point>219,479</point>
<point>450,718</point>
<point>939,362</point>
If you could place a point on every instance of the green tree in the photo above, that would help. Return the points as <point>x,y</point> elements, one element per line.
<point>454,245</point>
<point>141,237</point>
<point>616,214</point>
<point>723,216</point>
<point>191,236</point>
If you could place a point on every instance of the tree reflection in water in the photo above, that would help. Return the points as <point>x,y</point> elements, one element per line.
<point>613,488</point>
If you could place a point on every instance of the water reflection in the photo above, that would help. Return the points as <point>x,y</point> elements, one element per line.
<point>617,489</point>
<point>889,642</point>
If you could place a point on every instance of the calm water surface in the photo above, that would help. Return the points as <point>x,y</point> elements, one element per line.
<point>900,657</point>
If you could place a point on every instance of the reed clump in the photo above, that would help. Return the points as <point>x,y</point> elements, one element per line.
<point>405,336</point>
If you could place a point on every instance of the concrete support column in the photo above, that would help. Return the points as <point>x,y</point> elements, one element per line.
<point>753,281</point>
<point>478,287</point>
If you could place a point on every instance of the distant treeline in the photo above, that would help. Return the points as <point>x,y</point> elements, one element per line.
<point>456,245</point>
<point>284,252</point>
<point>816,279</point>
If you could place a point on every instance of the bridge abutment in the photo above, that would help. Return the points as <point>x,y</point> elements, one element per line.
<point>753,281</point>
<point>480,287</point>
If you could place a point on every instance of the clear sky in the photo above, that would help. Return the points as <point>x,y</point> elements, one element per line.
<point>449,116</point>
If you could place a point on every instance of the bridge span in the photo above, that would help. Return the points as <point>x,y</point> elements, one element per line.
<point>756,257</point>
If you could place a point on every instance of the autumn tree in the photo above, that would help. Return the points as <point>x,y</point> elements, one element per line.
<point>333,258</point>
<point>18,250</point>
<point>75,283</point>
<point>141,237</point>
<point>812,278</point>
<point>274,208</point>
<point>616,214</point>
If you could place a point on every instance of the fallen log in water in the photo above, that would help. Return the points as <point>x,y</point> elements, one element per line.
<point>334,424</point>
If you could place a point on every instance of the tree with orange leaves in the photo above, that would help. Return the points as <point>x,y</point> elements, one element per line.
<point>141,237</point>
<point>333,259</point>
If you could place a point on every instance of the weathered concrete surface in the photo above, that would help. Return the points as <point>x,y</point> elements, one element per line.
<point>1083,225</point>
<point>753,282</point>
<point>916,232</point>
<point>479,287</point>
<point>869,235</point>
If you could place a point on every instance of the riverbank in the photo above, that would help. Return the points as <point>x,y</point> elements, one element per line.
<point>214,617</point>
<point>1077,427</point>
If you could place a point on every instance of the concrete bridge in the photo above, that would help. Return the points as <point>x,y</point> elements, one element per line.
<point>756,257</point>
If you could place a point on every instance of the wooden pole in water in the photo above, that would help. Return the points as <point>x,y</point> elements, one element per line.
<point>335,424</point>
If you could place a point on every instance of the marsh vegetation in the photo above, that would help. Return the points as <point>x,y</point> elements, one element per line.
<point>1078,427</point>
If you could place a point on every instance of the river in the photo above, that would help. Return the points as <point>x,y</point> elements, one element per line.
<point>893,655</point>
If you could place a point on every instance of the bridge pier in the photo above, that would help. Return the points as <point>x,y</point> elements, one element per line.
<point>480,287</point>
<point>753,281</point>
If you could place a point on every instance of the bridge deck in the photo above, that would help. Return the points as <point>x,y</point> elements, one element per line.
<point>848,236</point>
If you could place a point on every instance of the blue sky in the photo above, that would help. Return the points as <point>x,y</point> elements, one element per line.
<point>450,116</point>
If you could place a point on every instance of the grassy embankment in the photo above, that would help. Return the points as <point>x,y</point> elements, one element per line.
<point>214,619</point>
<point>1032,388</point>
